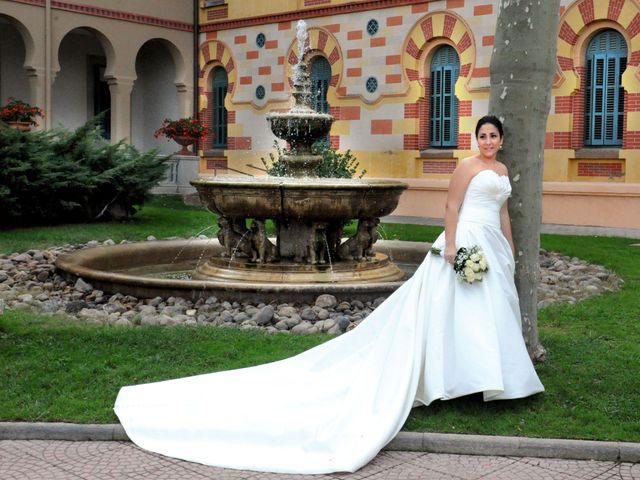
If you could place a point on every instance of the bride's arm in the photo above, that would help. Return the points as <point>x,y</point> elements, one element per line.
<point>505,226</point>
<point>457,188</point>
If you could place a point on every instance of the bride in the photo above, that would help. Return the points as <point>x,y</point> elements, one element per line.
<point>332,408</point>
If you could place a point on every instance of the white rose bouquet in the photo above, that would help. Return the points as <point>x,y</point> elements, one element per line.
<point>470,264</point>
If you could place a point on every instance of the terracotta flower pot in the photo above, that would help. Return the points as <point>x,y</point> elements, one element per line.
<point>184,141</point>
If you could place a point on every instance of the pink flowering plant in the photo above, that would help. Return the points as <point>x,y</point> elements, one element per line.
<point>19,111</point>
<point>184,127</point>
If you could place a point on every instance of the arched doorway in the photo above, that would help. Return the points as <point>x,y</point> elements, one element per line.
<point>154,96</point>
<point>13,76</point>
<point>80,90</point>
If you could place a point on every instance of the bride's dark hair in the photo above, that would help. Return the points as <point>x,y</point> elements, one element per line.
<point>493,120</point>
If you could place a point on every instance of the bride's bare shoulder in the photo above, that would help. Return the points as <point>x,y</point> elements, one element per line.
<point>467,167</point>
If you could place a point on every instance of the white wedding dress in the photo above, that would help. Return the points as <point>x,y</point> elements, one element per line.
<point>332,408</point>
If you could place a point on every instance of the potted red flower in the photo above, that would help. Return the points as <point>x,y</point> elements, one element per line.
<point>20,115</point>
<point>184,131</point>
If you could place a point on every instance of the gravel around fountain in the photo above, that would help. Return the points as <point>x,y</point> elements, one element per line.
<point>29,280</point>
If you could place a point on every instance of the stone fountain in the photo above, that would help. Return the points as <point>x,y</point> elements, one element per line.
<point>309,212</point>
<point>308,255</point>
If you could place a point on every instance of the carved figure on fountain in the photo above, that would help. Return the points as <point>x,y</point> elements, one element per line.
<point>235,239</point>
<point>360,245</point>
<point>266,252</point>
<point>317,248</point>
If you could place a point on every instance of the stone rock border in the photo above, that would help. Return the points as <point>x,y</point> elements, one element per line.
<point>29,280</point>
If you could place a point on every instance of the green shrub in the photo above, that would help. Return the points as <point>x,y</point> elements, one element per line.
<point>57,176</point>
<point>334,164</point>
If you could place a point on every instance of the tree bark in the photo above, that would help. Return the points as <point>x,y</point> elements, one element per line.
<point>522,70</point>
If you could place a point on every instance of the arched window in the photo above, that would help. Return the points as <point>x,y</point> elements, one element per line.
<point>604,102</point>
<point>443,116</point>
<point>218,110</point>
<point>320,79</point>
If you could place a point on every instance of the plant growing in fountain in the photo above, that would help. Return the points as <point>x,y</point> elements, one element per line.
<point>334,163</point>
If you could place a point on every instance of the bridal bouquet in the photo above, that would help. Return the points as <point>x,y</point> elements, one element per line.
<point>470,263</point>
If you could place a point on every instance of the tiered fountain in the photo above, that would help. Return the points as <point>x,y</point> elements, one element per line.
<point>308,255</point>
<point>309,212</point>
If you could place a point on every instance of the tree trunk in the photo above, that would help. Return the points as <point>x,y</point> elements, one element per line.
<point>522,70</point>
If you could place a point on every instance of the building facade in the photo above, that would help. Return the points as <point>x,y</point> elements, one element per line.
<point>74,59</point>
<point>406,81</point>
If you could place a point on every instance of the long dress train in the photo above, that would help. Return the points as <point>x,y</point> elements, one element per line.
<point>333,407</point>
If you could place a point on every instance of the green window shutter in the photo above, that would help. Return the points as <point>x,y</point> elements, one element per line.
<point>604,106</point>
<point>219,90</point>
<point>320,79</point>
<point>443,121</point>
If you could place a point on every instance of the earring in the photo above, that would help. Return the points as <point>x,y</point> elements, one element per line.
<point>500,147</point>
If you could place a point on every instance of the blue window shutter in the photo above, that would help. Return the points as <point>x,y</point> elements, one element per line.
<point>604,112</point>
<point>219,111</point>
<point>320,80</point>
<point>443,121</point>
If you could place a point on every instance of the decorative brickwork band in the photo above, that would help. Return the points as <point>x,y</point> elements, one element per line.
<point>445,167</point>
<point>600,169</point>
<point>615,7</point>
<point>216,163</point>
<point>577,130</point>
<point>586,10</point>
<point>410,142</point>
<point>218,13</point>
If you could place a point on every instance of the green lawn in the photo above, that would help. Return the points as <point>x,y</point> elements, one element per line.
<point>54,369</point>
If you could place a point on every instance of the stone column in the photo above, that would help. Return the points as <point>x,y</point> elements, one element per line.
<point>185,99</point>
<point>120,89</point>
<point>37,92</point>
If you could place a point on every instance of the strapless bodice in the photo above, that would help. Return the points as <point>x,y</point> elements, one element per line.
<point>486,193</point>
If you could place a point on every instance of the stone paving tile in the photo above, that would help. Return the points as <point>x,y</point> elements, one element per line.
<point>411,471</point>
<point>41,460</point>
<point>122,462</point>
<point>629,471</point>
<point>383,462</point>
<point>524,470</point>
<point>467,467</point>
<point>591,469</point>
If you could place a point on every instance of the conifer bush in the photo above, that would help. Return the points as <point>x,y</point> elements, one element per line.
<point>58,176</point>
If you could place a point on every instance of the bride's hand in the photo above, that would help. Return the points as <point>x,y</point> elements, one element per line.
<point>450,253</point>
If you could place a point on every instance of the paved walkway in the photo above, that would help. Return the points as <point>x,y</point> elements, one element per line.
<point>110,460</point>
<point>545,228</point>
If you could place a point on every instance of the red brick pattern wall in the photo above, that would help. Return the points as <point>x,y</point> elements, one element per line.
<point>218,13</point>
<point>586,10</point>
<point>464,141</point>
<point>423,119</point>
<point>216,163</point>
<point>449,25</point>
<point>410,141</point>
<point>634,27</point>
<point>577,131</point>
<point>567,33</point>
<point>599,169</point>
<point>562,140</point>
<point>438,166</point>
<point>563,104</point>
<point>381,127</point>
<point>615,7</point>
<point>239,143</point>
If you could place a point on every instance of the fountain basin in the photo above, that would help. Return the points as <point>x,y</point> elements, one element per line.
<point>298,125</point>
<point>145,270</point>
<point>315,199</point>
